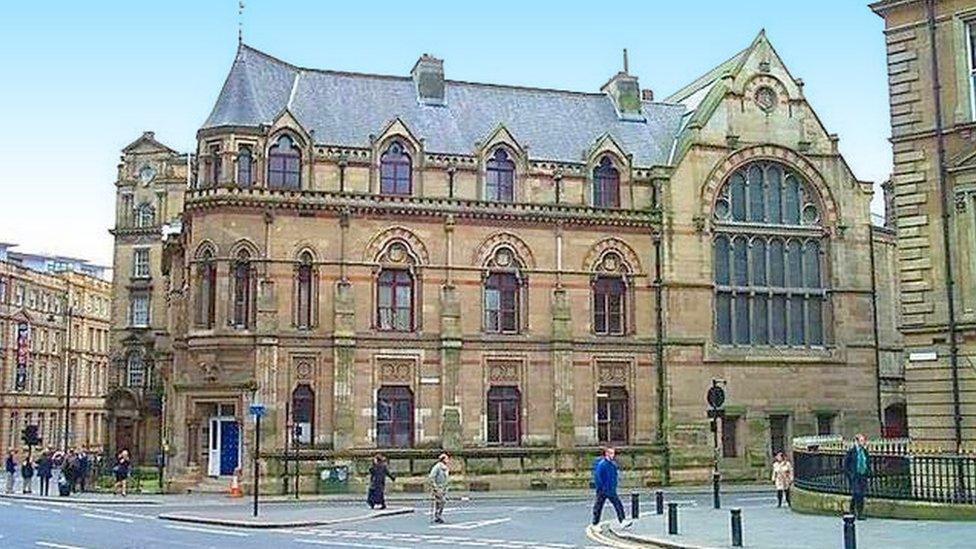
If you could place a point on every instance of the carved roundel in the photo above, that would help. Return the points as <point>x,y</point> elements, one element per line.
<point>396,371</point>
<point>612,255</point>
<point>304,369</point>
<point>501,247</point>
<point>396,245</point>
<point>503,371</point>
<point>766,91</point>
<point>765,98</point>
<point>613,373</point>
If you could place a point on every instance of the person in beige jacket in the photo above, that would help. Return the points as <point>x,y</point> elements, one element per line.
<point>782,477</point>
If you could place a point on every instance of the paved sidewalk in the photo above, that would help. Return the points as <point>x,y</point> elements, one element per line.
<point>279,516</point>
<point>779,527</point>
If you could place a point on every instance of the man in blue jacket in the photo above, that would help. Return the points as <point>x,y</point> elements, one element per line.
<point>857,468</point>
<point>605,483</point>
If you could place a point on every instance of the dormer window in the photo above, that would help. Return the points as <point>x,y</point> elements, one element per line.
<point>395,171</point>
<point>500,177</point>
<point>284,164</point>
<point>606,185</point>
<point>244,167</point>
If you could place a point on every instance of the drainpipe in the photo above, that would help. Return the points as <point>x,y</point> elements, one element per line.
<point>662,408</point>
<point>874,328</point>
<point>944,207</point>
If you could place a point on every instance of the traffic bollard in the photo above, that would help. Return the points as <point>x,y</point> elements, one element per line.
<point>736,527</point>
<point>716,501</point>
<point>659,501</point>
<point>673,518</point>
<point>850,539</point>
<point>634,505</point>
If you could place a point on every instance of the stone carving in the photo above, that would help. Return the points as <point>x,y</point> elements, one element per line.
<point>396,245</point>
<point>396,371</point>
<point>507,371</point>
<point>596,258</point>
<point>765,98</point>
<point>614,373</point>
<point>303,370</point>
<point>211,371</point>
<point>487,250</point>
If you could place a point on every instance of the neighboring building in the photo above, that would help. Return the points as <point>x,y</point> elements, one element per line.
<point>934,184</point>
<point>47,263</point>
<point>412,262</point>
<point>36,309</point>
<point>149,193</point>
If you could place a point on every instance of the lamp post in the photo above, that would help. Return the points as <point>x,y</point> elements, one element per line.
<point>67,368</point>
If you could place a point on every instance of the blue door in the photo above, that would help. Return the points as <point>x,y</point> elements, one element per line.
<point>229,440</point>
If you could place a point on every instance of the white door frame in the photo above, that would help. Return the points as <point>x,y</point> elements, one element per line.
<point>214,444</point>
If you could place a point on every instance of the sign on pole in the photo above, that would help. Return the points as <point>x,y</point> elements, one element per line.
<point>257,410</point>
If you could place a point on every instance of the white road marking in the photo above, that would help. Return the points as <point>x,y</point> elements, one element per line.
<point>207,530</point>
<point>766,498</point>
<point>472,524</point>
<point>39,508</point>
<point>123,514</point>
<point>57,545</point>
<point>349,544</point>
<point>5,503</point>
<point>103,517</point>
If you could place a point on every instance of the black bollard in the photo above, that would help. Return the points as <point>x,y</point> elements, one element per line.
<point>716,502</point>
<point>659,501</point>
<point>634,505</point>
<point>673,518</point>
<point>736,527</point>
<point>850,540</point>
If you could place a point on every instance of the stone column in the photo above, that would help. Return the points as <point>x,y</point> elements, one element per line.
<point>562,355</point>
<point>450,351</point>
<point>344,315</point>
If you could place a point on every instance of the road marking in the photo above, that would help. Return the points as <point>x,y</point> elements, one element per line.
<point>5,503</point>
<point>766,498</point>
<point>122,514</point>
<point>207,530</point>
<point>57,545</point>
<point>103,517</point>
<point>39,508</point>
<point>349,544</point>
<point>472,524</point>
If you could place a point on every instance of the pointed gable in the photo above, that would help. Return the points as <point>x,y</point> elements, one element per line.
<point>146,143</point>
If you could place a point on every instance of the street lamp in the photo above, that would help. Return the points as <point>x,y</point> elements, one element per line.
<point>67,367</point>
<point>716,399</point>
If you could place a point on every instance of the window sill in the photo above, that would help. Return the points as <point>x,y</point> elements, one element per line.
<point>755,354</point>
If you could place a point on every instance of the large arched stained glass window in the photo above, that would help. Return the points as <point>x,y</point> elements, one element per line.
<point>769,268</point>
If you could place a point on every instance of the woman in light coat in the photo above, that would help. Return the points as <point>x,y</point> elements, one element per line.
<point>782,477</point>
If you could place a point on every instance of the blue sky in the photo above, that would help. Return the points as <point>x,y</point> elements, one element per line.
<point>80,80</point>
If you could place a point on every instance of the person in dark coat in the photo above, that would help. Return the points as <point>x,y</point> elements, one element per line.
<point>605,483</point>
<point>378,472</point>
<point>857,468</point>
<point>27,472</point>
<point>10,468</point>
<point>121,470</point>
<point>72,469</point>
<point>84,468</point>
<point>44,471</point>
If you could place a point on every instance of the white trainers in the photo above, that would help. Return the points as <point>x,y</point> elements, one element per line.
<point>627,523</point>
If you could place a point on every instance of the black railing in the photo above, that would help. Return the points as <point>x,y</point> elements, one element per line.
<point>945,479</point>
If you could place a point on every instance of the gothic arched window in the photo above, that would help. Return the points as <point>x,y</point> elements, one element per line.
<point>606,185</point>
<point>394,300</point>
<point>500,177</point>
<point>284,164</point>
<point>241,288</point>
<point>769,270</point>
<point>395,171</point>
<point>304,292</point>
<point>206,289</point>
<point>245,163</point>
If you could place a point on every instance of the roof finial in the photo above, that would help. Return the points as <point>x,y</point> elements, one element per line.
<point>240,22</point>
<point>625,62</point>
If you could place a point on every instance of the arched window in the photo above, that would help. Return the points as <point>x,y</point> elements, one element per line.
<point>303,413</point>
<point>768,260</point>
<point>304,292</point>
<point>241,284</point>
<point>503,293</point>
<point>606,185</point>
<point>145,215</point>
<point>394,417</point>
<point>206,289</point>
<point>504,427</point>
<point>500,177</point>
<point>394,300</point>
<point>395,171</point>
<point>245,165</point>
<point>609,305</point>
<point>611,415</point>
<point>135,371</point>
<point>284,164</point>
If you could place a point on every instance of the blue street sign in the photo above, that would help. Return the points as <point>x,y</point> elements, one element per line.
<point>257,410</point>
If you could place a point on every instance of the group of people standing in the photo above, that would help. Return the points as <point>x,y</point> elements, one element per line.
<point>74,470</point>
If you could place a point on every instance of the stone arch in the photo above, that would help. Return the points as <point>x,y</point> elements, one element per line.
<point>486,250</point>
<point>302,247</point>
<point>594,257</point>
<point>789,158</point>
<point>381,243</point>
<point>244,244</point>
<point>203,247</point>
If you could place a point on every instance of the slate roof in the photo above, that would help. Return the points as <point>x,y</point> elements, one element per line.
<point>345,108</point>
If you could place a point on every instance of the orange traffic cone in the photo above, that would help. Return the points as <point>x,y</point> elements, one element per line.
<point>235,485</point>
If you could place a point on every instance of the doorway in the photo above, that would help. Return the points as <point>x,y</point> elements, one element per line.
<point>224,450</point>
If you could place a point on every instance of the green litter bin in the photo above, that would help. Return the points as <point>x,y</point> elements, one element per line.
<point>333,479</point>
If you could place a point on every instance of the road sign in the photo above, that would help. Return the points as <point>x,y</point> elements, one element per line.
<point>715,396</point>
<point>257,410</point>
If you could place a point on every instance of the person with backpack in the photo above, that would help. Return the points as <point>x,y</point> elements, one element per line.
<point>605,483</point>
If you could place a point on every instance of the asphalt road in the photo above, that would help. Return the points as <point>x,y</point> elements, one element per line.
<point>530,522</point>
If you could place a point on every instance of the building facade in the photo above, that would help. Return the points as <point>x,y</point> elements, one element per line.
<point>931,64</point>
<point>518,275</point>
<point>46,322</point>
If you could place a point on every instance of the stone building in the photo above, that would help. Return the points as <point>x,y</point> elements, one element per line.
<point>931,64</point>
<point>516,274</point>
<point>35,312</point>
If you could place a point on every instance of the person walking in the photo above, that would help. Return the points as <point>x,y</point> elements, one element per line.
<point>782,478</point>
<point>605,475</point>
<point>857,468</point>
<point>27,473</point>
<point>44,472</point>
<point>84,468</point>
<point>378,473</point>
<point>439,476</point>
<point>10,467</point>
<point>121,469</point>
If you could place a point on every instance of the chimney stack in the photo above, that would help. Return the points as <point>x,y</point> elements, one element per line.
<point>625,93</point>
<point>428,77</point>
<point>647,95</point>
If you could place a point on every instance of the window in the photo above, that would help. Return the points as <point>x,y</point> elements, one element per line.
<point>730,436</point>
<point>500,177</point>
<point>3,290</point>
<point>503,415</point>
<point>611,415</point>
<point>126,216</point>
<point>284,164</point>
<point>971,55</point>
<point>609,305</point>
<point>138,311</point>
<point>245,164</point>
<point>395,171</point>
<point>140,263</point>
<point>303,412</point>
<point>206,289</point>
<point>825,424</point>
<point>214,164</point>
<point>303,292</point>
<point>394,303</point>
<point>242,290</point>
<point>135,371</point>
<point>769,286</point>
<point>502,303</point>
<point>606,185</point>
<point>394,417</point>
<point>778,433</point>
<point>145,215</point>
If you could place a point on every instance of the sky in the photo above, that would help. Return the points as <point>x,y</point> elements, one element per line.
<point>80,80</point>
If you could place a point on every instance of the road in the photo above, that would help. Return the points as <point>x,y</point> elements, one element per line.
<point>530,522</point>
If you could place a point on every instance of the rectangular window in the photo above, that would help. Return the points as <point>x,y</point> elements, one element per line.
<point>825,424</point>
<point>778,433</point>
<point>503,416</point>
<point>139,311</point>
<point>215,164</point>
<point>502,303</point>
<point>608,306</point>
<point>971,55</point>
<point>140,263</point>
<point>730,436</point>
<point>611,415</point>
